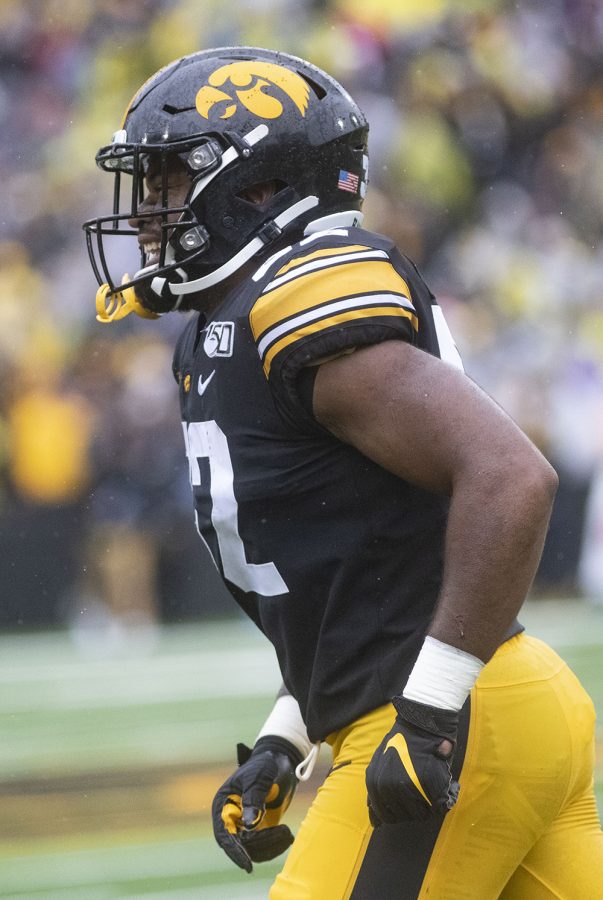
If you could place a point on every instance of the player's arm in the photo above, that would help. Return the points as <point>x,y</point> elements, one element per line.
<point>247,809</point>
<point>430,424</point>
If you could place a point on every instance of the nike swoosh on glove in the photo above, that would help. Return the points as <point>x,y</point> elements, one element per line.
<point>408,777</point>
<point>246,810</point>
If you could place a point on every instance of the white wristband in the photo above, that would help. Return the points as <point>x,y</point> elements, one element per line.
<point>286,721</point>
<point>442,675</point>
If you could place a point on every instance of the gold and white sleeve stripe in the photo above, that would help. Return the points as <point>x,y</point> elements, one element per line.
<point>326,288</point>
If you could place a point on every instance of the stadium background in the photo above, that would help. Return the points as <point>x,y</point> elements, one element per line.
<point>125,675</point>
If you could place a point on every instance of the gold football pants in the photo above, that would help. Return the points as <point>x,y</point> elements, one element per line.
<point>525,826</point>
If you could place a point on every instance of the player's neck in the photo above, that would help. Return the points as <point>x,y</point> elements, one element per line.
<point>208,301</point>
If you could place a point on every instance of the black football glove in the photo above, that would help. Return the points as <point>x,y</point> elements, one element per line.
<point>408,777</point>
<point>247,809</point>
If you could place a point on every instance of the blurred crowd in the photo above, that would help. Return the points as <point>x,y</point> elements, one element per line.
<point>486,168</point>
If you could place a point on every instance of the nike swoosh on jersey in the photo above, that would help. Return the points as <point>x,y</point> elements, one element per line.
<point>202,385</point>
<point>398,742</point>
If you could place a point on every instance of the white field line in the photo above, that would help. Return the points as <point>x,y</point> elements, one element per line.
<point>258,891</point>
<point>204,661</point>
<point>122,683</point>
<point>111,864</point>
<point>223,891</point>
<point>98,893</point>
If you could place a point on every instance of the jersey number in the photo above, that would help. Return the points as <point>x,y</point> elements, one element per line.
<point>207,440</point>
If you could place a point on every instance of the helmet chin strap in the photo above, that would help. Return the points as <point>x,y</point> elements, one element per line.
<point>346,219</point>
<point>158,284</point>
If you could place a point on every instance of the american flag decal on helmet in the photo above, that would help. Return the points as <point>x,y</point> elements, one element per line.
<point>347,182</point>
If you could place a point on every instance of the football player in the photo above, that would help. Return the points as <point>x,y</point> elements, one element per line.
<point>377,515</point>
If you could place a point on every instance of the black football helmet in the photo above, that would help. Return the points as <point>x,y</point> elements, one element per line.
<point>236,117</point>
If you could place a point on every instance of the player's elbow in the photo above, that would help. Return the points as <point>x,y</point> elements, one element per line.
<point>536,481</point>
<point>550,480</point>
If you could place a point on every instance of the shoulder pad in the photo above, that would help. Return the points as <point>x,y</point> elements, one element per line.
<point>327,281</point>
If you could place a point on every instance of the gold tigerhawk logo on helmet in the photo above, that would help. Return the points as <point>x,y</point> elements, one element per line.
<point>242,75</point>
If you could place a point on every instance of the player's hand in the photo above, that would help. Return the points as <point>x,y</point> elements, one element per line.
<point>409,776</point>
<point>247,808</point>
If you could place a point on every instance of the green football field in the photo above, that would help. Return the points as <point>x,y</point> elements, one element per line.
<point>108,766</point>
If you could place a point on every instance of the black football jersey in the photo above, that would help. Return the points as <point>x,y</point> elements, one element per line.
<point>338,561</point>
